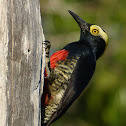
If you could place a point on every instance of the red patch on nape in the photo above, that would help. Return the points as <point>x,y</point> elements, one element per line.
<point>58,56</point>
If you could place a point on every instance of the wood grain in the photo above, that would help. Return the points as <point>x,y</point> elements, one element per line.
<point>21,36</point>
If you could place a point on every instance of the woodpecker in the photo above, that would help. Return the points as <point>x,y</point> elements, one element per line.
<point>70,69</point>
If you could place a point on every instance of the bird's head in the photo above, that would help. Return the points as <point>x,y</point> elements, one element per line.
<point>92,36</point>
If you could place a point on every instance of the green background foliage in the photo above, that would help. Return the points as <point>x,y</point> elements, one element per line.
<point>103,103</point>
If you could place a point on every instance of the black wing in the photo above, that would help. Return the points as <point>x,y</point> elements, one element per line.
<point>82,74</point>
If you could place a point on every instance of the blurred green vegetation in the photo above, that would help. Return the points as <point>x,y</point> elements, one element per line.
<point>103,103</point>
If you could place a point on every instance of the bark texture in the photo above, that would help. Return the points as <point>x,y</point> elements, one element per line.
<point>21,75</point>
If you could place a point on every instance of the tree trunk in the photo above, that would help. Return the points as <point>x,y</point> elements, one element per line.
<point>21,57</point>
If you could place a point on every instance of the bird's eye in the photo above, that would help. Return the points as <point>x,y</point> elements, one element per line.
<point>95,31</point>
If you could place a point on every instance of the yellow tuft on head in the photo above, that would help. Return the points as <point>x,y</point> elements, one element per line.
<point>97,31</point>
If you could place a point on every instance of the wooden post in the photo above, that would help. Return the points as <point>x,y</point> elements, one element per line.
<point>21,57</point>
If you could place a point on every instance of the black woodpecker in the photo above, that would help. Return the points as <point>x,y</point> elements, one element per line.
<point>69,70</point>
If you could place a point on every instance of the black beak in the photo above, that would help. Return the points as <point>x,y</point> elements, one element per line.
<point>80,21</point>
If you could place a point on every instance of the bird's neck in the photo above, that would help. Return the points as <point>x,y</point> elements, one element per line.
<point>95,47</point>
<point>95,44</point>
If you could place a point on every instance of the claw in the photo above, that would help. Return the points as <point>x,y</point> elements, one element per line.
<point>47,45</point>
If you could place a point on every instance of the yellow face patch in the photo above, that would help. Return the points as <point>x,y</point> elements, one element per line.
<point>97,31</point>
